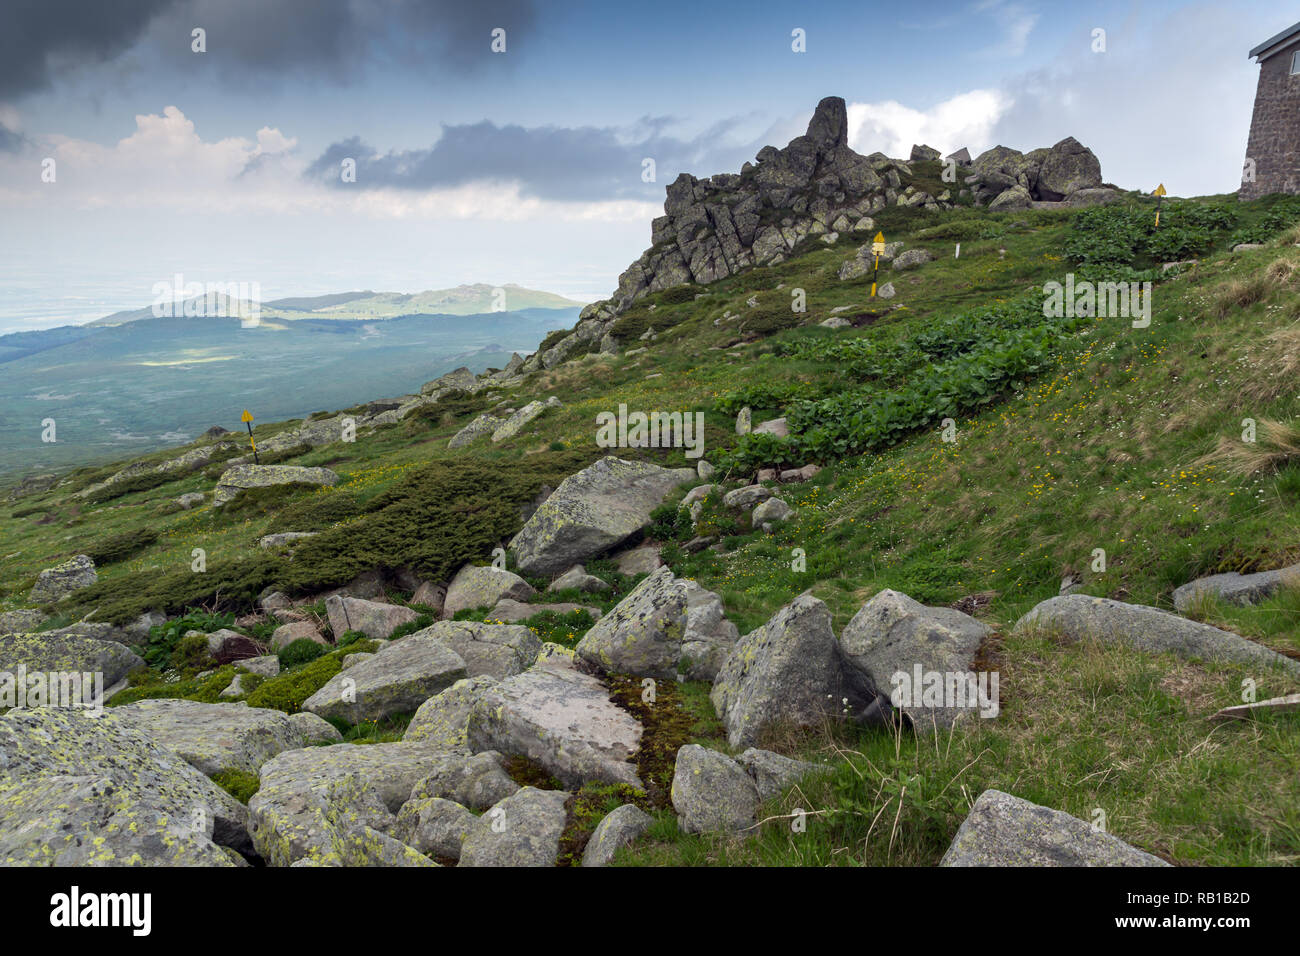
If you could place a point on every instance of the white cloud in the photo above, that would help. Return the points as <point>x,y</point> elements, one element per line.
<point>892,128</point>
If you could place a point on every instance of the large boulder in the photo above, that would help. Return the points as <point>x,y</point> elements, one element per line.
<point>372,618</point>
<point>484,424</point>
<point>476,781</point>
<point>1234,588</point>
<point>772,772</point>
<point>239,478</point>
<point>619,828</point>
<point>56,583</point>
<point>524,829</point>
<point>1069,167</point>
<point>214,737</point>
<point>294,814</point>
<point>22,621</point>
<point>434,826</point>
<point>1079,617</point>
<point>441,721</point>
<point>667,626</point>
<point>562,720</point>
<point>494,650</point>
<point>395,681</point>
<point>892,636</point>
<point>711,791</point>
<point>512,425</point>
<point>1002,830</point>
<point>50,652</point>
<point>475,587</point>
<point>593,511</point>
<point>786,673</point>
<point>84,790</point>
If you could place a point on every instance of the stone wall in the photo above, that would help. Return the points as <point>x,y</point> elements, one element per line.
<point>1274,142</point>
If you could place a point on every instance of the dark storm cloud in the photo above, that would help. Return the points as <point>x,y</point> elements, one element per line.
<point>311,38</point>
<point>567,163</point>
<point>40,36</point>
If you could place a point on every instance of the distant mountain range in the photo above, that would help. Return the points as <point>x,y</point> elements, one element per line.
<point>477,298</point>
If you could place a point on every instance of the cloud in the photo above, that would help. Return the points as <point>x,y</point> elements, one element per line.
<point>10,140</point>
<point>253,40</point>
<point>1016,23</point>
<point>585,163</point>
<point>892,128</point>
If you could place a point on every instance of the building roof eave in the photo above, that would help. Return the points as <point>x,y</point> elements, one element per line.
<point>1272,44</point>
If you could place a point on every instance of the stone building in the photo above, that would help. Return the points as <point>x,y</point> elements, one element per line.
<point>1273,151</point>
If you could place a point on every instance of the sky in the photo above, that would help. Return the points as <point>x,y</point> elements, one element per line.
<point>526,163</point>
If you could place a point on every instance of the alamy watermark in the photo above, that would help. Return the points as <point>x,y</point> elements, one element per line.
<point>224,300</point>
<point>948,689</point>
<point>651,430</point>
<point>1109,300</point>
<point>73,690</point>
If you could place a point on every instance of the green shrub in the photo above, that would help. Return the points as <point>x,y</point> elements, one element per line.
<point>563,629</point>
<point>119,547</point>
<point>240,784</point>
<point>670,522</point>
<point>301,651</point>
<point>190,653</point>
<point>145,482</point>
<point>149,685</point>
<point>287,691</point>
<point>167,637</point>
<point>315,512</point>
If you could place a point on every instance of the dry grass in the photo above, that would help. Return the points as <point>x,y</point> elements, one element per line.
<point>1276,444</point>
<point>1278,366</point>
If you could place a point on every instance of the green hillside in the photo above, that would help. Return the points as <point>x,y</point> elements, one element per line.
<point>1069,434</point>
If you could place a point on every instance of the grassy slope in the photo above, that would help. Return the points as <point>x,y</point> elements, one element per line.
<point>1099,452</point>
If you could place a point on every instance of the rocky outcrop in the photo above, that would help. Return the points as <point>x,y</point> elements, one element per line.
<point>397,680</point>
<point>562,720</point>
<point>666,627</point>
<point>493,650</point>
<point>1080,617</point>
<point>239,478</point>
<point>56,583</point>
<point>441,721</point>
<point>475,587</point>
<point>1002,830</point>
<point>1233,588</point>
<point>372,618</point>
<point>524,829</point>
<point>50,652</point>
<point>214,737</point>
<point>591,512</point>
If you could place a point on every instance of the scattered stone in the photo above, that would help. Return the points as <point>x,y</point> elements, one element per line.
<point>237,648</point>
<point>497,650</point>
<point>430,595</point>
<point>239,478</point>
<point>772,773</point>
<point>484,424</point>
<point>743,499</point>
<point>771,510</point>
<point>213,737</point>
<point>704,470</point>
<point>1234,588</point>
<point>778,427</point>
<point>620,827</point>
<point>1002,830</point>
<point>593,511</point>
<point>476,587</point>
<point>1079,617</point>
<point>524,829</point>
<point>577,579</point>
<point>893,634</point>
<point>313,730</point>
<point>396,681</point>
<point>711,792</point>
<point>911,260</point>
<point>191,500</point>
<point>744,421</point>
<point>54,584</point>
<point>442,719</point>
<point>286,634</point>
<point>284,538</point>
<point>639,560</point>
<point>476,781</point>
<point>373,619</point>
<point>265,666</point>
<point>515,423</point>
<point>666,627</point>
<point>885,291</point>
<point>434,826</point>
<point>787,672</point>
<point>561,719</point>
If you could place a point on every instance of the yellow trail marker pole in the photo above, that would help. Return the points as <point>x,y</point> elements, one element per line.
<point>247,419</point>
<point>1160,193</point>
<point>877,247</point>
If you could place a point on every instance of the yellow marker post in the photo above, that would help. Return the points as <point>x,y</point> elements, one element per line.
<point>877,247</point>
<point>1160,193</point>
<point>247,419</point>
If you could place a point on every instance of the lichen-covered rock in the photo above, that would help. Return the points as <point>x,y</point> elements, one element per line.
<point>476,781</point>
<point>435,826</point>
<point>772,772</point>
<point>1232,588</point>
<point>286,634</point>
<point>524,829</point>
<point>442,719</point>
<point>771,510</point>
<point>593,511</point>
<point>1080,617</point>
<point>79,790</point>
<point>314,730</point>
<point>284,538</point>
<point>577,579</point>
<point>22,621</point>
<point>1002,830</point>
<point>893,634</point>
<point>1068,167</point>
<point>619,828</point>
<point>475,587</point>
<point>377,621</point>
<point>52,651</point>
<point>239,478</point>
<point>562,720</point>
<point>396,681</point>
<point>213,737</point>
<point>911,259</point>
<point>667,626</point>
<point>639,560</point>
<point>496,650</point>
<point>745,498</point>
<point>515,423</point>
<point>484,424</point>
<point>56,583</point>
<point>787,672</point>
<point>290,814</point>
<point>711,792</point>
